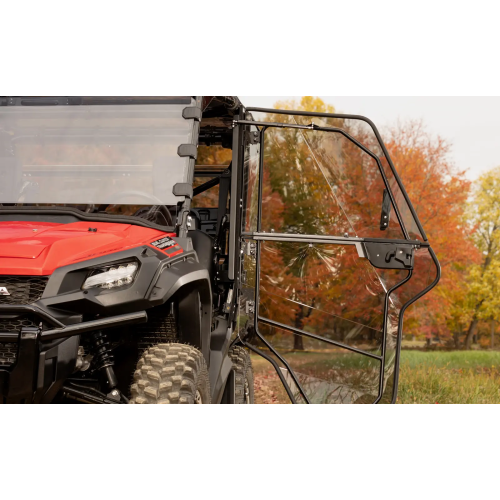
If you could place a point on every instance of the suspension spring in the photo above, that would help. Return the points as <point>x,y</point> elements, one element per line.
<point>104,359</point>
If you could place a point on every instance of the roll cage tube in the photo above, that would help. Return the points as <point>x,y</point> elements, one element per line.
<point>261,237</point>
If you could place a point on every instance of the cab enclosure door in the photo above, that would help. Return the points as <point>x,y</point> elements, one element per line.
<point>332,253</point>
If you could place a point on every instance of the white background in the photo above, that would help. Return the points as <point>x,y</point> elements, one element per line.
<point>266,48</point>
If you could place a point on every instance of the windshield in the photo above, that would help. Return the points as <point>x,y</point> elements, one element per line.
<point>115,158</point>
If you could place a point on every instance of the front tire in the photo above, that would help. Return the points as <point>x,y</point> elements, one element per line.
<point>171,374</point>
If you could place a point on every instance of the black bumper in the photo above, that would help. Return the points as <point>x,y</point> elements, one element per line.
<point>46,356</point>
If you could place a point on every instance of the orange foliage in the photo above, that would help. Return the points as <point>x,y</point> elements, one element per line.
<point>439,194</point>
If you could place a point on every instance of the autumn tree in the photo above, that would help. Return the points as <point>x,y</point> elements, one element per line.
<point>327,185</point>
<point>439,194</point>
<point>483,297</point>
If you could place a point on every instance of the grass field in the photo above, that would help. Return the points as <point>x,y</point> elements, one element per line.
<point>450,377</point>
<point>425,378</point>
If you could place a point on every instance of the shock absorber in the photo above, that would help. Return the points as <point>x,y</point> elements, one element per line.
<point>104,359</point>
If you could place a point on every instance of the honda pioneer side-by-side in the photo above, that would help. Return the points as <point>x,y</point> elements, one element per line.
<point>152,247</point>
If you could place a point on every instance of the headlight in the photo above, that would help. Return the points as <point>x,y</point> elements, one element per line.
<point>113,276</point>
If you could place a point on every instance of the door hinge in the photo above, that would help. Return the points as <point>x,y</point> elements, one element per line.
<point>229,302</point>
<point>251,249</point>
<point>253,137</point>
<point>250,307</point>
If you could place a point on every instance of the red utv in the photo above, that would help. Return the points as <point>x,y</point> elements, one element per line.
<point>149,244</point>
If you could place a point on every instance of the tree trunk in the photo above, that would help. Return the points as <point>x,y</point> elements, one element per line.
<point>298,343</point>
<point>492,334</point>
<point>470,333</point>
<point>456,339</point>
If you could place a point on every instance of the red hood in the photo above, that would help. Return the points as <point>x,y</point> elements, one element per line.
<point>38,249</point>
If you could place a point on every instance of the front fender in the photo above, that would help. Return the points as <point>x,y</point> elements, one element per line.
<point>188,283</point>
<point>172,277</point>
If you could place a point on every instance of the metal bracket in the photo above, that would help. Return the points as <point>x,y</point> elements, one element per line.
<point>250,307</point>
<point>386,211</point>
<point>183,189</point>
<point>188,150</point>
<point>229,302</point>
<point>390,255</point>
<point>192,113</point>
<point>251,249</point>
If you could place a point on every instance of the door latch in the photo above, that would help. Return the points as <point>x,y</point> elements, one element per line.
<point>403,255</point>
<point>390,255</point>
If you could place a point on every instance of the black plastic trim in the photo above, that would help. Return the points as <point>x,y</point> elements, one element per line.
<point>183,189</point>
<point>192,113</point>
<point>188,151</point>
<point>34,310</point>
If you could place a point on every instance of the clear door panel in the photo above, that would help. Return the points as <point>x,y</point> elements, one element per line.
<point>322,183</point>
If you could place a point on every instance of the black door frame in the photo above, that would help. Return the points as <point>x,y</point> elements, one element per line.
<point>240,126</point>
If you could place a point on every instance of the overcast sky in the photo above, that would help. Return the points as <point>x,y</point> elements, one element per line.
<point>470,124</point>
